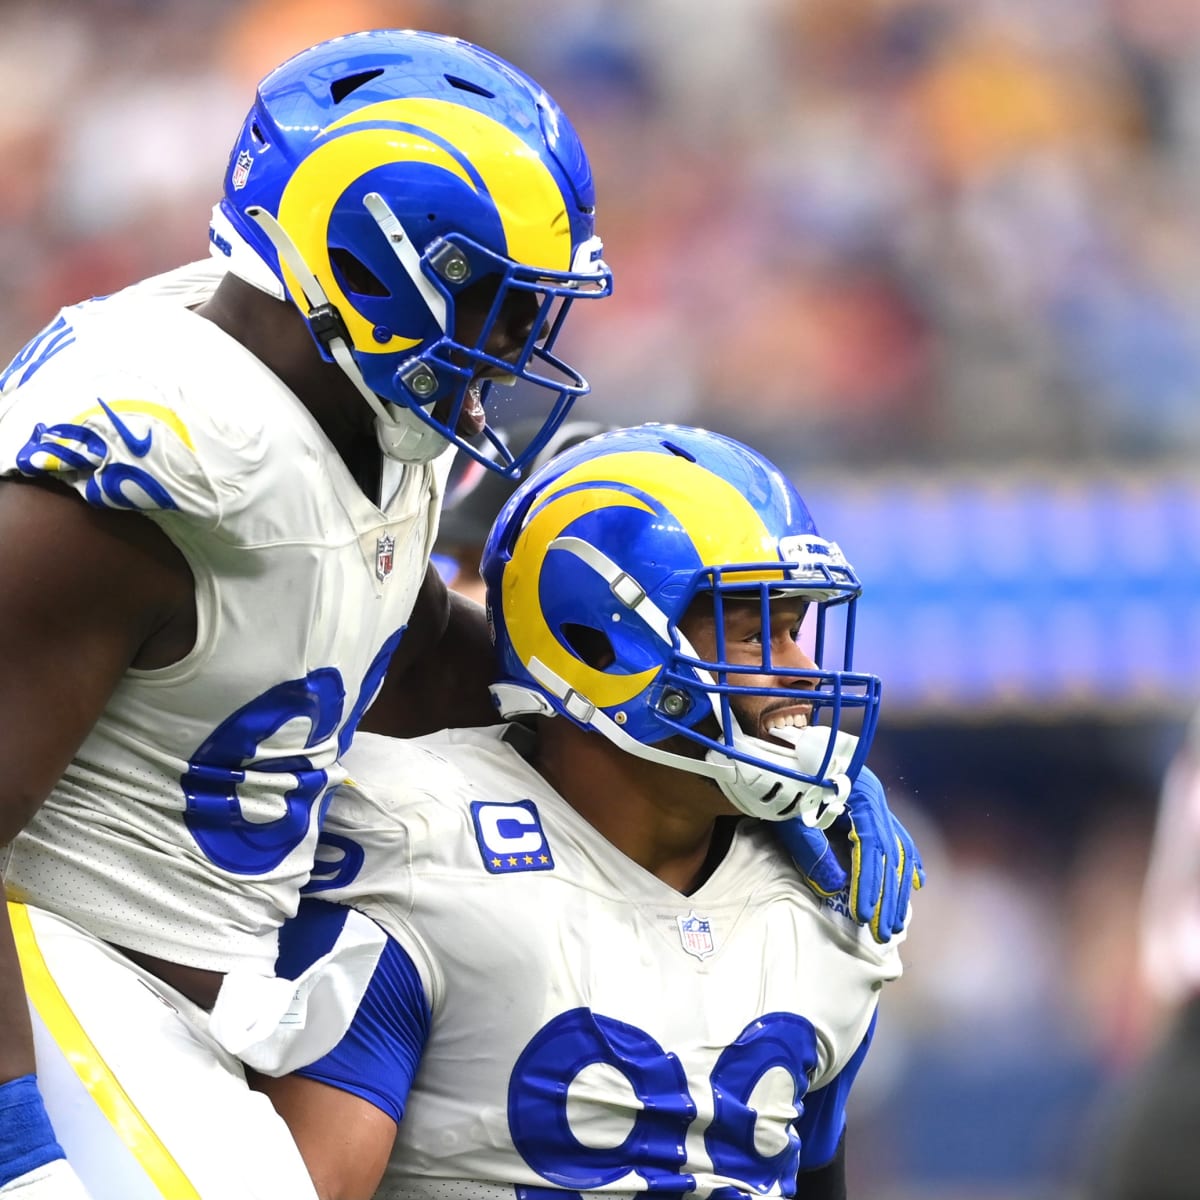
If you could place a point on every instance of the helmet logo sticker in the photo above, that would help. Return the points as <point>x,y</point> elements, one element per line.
<point>385,556</point>
<point>695,935</point>
<point>241,170</point>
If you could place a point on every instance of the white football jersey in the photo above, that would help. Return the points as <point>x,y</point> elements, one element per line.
<point>187,821</point>
<point>592,1029</point>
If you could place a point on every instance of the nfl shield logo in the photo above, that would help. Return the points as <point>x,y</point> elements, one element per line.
<point>384,556</point>
<point>241,170</point>
<point>695,933</point>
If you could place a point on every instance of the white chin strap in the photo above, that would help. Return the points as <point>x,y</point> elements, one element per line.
<point>762,793</point>
<point>753,789</point>
<point>401,434</point>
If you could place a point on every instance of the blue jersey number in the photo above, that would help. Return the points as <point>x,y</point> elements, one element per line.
<point>38,351</point>
<point>654,1148</point>
<point>213,810</point>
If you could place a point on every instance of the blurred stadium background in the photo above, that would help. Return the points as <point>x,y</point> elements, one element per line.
<point>941,259</point>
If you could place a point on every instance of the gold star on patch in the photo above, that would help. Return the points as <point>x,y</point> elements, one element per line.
<point>512,861</point>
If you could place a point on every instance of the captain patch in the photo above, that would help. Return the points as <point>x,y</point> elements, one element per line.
<point>510,837</point>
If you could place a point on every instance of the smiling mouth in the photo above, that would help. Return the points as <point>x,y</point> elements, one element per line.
<point>782,727</point>
<point>471,417</point>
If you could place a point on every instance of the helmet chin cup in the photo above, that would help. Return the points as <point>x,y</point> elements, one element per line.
<point>761,793</point>
<point>402,435</point>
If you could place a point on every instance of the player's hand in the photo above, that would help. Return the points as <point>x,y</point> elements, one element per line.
<point>885,865</point>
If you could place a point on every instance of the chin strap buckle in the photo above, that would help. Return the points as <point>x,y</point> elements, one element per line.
<point>326,324</point>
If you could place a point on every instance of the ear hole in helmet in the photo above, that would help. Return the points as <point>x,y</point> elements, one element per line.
<point>465,85</point>
<point>354,275</point>
<point>591,645</point>
<point>339,89</point>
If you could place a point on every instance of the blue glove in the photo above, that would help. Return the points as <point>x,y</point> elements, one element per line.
<point>885,865</point>
<point>27,1140</point>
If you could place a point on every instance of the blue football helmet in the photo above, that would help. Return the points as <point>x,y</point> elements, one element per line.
<point>591,567</point>
<point>378,177</point>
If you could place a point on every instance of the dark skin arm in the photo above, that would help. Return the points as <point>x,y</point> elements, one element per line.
<point>344,1140</point>
<point>827,1182</point>
<point>439,675</point>
<point>84,595</point>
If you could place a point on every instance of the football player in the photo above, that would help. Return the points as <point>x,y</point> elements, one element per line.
<point>218,495</point>
<point>1145,1148</point>
<point>598,977</point>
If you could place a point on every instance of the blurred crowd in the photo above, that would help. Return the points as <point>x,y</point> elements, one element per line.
<point>860,234</point>
<point>879,230</point>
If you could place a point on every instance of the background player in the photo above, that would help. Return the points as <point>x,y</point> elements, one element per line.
<point>595,980</point>
<point>1148,1149</point>
<point>220,495</point>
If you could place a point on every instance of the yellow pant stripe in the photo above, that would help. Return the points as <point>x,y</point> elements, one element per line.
<point>102,1085</point>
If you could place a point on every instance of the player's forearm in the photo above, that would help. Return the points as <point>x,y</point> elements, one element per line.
<point>471,658</point>
<point>827,1182</point>
<point>344,1140</point>
<point>445,683</point>
<point>16,1033</point>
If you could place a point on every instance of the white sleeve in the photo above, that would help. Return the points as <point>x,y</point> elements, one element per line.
<point>51,1181</point>
<point>276,1025</point>
<point>118,441</point>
